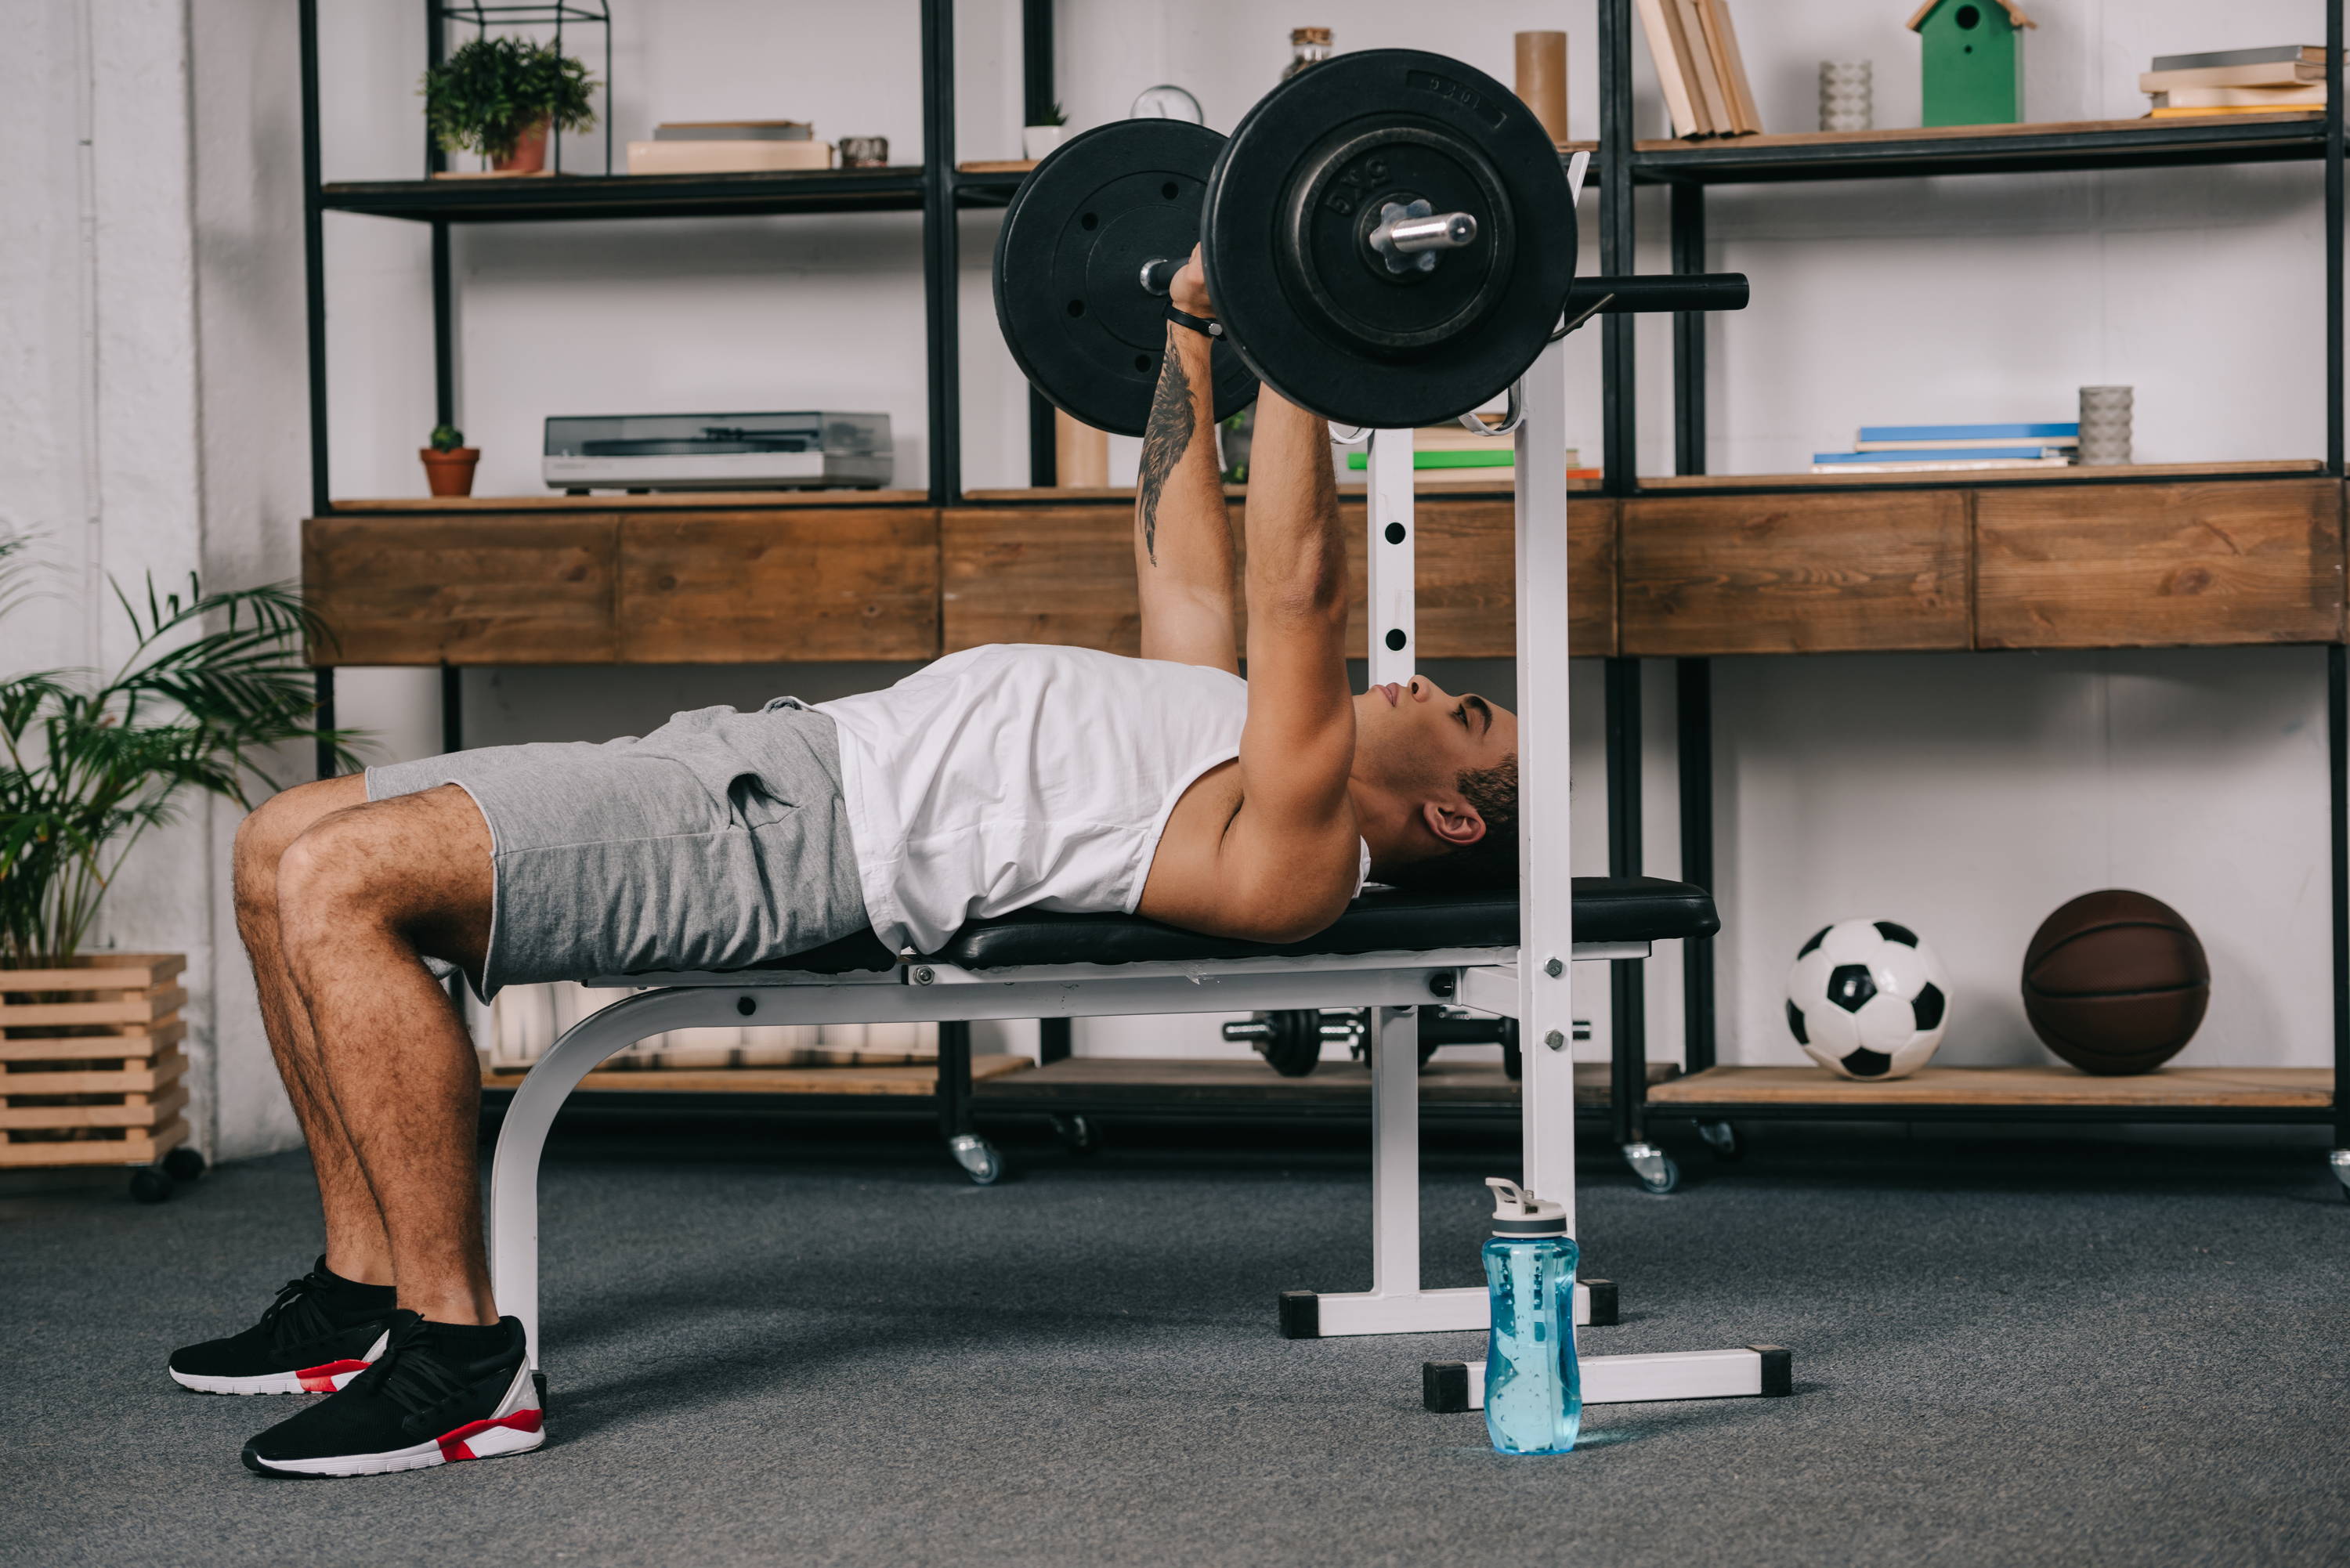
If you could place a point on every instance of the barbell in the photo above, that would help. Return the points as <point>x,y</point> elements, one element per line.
<point>1389,237</point>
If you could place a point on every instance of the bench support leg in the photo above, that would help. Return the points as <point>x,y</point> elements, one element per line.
<point>522,1136</point>
<point>1396,1303</point>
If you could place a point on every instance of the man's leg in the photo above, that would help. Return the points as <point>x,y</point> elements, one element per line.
<point>361,894</point>
<point>356,1248</point>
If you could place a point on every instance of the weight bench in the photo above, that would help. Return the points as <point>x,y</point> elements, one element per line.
<point>1391,951</point>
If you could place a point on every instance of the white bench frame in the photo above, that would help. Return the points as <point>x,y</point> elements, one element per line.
<point>1539,993</point>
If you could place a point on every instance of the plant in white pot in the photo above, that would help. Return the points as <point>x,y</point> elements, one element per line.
<point>1037,140</point>
<point>501,96</point>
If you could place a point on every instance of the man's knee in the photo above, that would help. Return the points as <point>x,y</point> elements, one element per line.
<point>270,829</point>
<point>419,863</point>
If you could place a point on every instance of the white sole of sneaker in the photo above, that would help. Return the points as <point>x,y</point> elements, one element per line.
<point>323,1379</point>
<point>517,1426</point>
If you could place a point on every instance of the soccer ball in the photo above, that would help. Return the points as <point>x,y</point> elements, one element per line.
<point>1869,1000</point>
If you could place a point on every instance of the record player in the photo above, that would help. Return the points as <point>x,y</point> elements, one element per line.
<point>816,451</point>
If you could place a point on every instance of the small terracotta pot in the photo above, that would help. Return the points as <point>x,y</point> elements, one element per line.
<point>450,473</point>
<point>529,156</point>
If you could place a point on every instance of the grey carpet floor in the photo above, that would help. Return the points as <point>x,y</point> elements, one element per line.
<point>2035,1353</point>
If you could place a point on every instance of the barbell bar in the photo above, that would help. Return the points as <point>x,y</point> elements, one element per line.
<point>1388,239</point>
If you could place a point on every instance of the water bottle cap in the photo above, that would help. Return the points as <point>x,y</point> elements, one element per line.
<point>1517,1212</point>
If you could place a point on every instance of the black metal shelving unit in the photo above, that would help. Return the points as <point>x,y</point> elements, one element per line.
<point>1686,173</point>
<point>937,191</point>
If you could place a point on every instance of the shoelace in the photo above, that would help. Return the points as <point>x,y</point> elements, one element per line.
<point>410,1374</point>
<point>295,1317</point>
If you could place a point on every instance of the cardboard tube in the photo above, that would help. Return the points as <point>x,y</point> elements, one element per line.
<point>1541,80</point>
<point>1080,453</point>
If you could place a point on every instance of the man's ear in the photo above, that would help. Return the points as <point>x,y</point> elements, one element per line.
<point>1456,825</point>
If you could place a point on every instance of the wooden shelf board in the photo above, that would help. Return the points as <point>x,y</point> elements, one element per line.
<point>897,188</point>
<point>2143,124</point>
<point>1973,479</point>
<point>612,501</point>
<point>2279,1088</point>
<point>918,1082</point>
<point>1483,490</point>
<point>1143,1084</point>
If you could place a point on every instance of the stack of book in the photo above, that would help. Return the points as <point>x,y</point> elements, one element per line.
<point>2236,82</point>
<point>1454,454</point>
<point>728,147</point>
<point>1698,69</point>
<point>1927,449</point>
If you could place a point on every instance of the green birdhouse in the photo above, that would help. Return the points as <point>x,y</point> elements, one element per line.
<point>1973,60</point>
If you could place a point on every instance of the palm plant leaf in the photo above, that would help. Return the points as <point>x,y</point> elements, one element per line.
<point>87,763</point>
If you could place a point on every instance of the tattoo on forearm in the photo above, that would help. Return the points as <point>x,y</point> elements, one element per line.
<point>1165,439</point>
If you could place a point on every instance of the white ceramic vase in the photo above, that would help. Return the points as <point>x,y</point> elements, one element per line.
<point>1036,141</point>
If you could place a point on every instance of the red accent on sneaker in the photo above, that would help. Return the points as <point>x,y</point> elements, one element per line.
<point>321,1379</point>
<point>452,1444</point>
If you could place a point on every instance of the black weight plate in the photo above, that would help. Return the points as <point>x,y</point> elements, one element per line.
<point>1068,269</point>
<point>1296,191</point>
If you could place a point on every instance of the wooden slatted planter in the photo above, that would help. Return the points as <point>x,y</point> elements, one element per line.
<point>90,1063</point>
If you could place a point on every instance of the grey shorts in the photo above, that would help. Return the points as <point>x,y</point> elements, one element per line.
<point>718,841</point>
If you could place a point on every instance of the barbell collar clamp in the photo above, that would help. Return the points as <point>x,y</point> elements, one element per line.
<point>1438,232</point>
<point>1409,233</point>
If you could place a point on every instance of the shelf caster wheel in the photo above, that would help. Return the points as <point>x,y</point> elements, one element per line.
<point>183,1164</point>
<point>1653,1165</point>
<point>151,1183</point>
<point>1722,1138</point>
<point>978,1158</point>
<point>2340,1160</point>
<point>1077,1135</point>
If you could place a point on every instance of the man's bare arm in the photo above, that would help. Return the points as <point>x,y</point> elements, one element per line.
<point>1183,535</point>
<point>1281,861</point>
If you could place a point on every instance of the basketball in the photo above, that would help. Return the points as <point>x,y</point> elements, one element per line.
<point>2115,982</point>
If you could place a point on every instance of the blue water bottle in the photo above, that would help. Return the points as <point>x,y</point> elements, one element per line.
<point>1534,1394</point>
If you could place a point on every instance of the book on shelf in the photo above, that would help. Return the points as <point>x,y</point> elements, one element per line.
<point>727,157</point>
<point>1932,457</point>
<point>1699,67</point>
<point>2068,445</point>
<point>2307,54</point>
<point>1661,21</point>
<point>1437,458</point>
<point>2308,95</point>
<point>2168,113</point>
<point>1704,72</point>
<point>2043,432</point>
<point>1723,38</point>
<point>733,131</point>
<point>2286,75</point>
<point>1944,463</point>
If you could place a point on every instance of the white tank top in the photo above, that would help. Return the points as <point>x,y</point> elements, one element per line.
<point>1019,777</point>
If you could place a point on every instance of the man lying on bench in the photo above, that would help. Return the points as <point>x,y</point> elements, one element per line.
<point>997,779</point>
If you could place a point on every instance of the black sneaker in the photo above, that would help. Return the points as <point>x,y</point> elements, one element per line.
<point>319,1333</point>
<point>440,1393</point>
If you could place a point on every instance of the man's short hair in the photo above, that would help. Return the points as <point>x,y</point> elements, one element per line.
<point>1491,863</point>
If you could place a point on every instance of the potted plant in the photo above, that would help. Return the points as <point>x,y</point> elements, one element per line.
<point>88,762</point>
<point>1036,141</point>
<point>500,96</point>
<point>449,462</point>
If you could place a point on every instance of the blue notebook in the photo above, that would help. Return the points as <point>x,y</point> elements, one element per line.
<point>1971,432</point>
<point>1934,454</point>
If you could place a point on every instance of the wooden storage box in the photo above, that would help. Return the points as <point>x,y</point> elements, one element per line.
<point>90,1063</point>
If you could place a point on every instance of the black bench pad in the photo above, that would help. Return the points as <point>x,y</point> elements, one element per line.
<point>1606,909</point>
